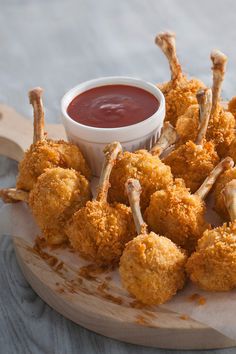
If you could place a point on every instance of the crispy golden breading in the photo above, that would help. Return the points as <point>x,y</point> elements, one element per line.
<point>232,106</point>
<point>232,150</point>
<point>152,268</point>
<point>187,125</point>
<point>219,206</point>
<point>175,213</point>
<point>48,154</point>
<point>192,163</point>
<point>148,169</point>
<point>213,266</point>
<point>221,130</point>
<point>100,231</point>
<point>56,195</point>
<point>179,95</point>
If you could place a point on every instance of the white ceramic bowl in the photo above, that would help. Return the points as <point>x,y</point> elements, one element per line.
<point>92,140</point>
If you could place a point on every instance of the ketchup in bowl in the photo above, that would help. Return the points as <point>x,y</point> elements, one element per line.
<point>112,106</point>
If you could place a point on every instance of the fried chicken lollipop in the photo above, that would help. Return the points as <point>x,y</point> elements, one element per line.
<point>194,161</point>
<point>213,266</point>
<point>180,93</point>
<point>151,266</point>
<point>99,231</point>
<point>179,215</point>
<point>44,153</point>
<point>222,122</point>
<point>54,198</point>
<point>146,166</point>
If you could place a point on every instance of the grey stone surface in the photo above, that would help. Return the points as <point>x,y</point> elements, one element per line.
<point>57,44</point>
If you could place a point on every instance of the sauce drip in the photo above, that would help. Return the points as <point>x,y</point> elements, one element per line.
<point>112,106</point>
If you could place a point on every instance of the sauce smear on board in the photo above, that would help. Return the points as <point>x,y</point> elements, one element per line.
<point>112,106</point>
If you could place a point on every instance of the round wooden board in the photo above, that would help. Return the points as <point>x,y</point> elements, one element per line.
<point>109,315</point>
<point>89,308</point>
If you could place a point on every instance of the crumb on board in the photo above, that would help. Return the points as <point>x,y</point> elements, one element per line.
<point>193,297</point>
<point>102,290</point>
<point>91,271</point>
<point>137,304</point>
<point>200,300</point>
<point>103,286</point>
<point>141,320</point>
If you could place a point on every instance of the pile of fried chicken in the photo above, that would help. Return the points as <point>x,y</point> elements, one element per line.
<point>148,215</point>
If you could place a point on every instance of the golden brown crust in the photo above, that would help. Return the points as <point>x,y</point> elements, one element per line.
<point>219,206</point>
<point>152,268</point>
<point>232,106</point>
<point>187,125</point>
<point>178,215</point>
<point>49,154</point>
<point>221,130</point>
<point>149,170</point>
<point>232,149</point>
<point>179,97</point>
<point>213,266</point>
<point>56,195</point>
<point>193,163</point>
<point>100,231</point>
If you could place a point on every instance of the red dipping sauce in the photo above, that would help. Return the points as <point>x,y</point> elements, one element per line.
<point>112,106</point>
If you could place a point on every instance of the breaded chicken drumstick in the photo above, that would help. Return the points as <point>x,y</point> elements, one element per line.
<point>54,198</point>
<point>213,266</point>
<point>151,266</point>
<point>99,231</point>
<point>45,153</point>
<point>194,161</point>
<point>152,173</point>
<point>179,92</point>
<point>179,215</point>
<point>221,124</point>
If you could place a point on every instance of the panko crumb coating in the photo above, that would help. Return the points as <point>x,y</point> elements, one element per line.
<point>220,206</point>
<point>49,154</point>
<point>56,195</point>
<point>232,149</point>
<point>232,106</point>
<point>178,215</point>
<point>149,262</point>
<point>221,130</point>
<point>213,266</point>
<point>192,163</point>
<point>179,96</point>
<point>100,231</point>
<point>187,125</point>
<point>152,173</point>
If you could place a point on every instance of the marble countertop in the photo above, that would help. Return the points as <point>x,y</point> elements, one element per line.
<point>57,44</point>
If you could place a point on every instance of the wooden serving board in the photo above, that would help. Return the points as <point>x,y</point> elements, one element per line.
<point>89,302</point>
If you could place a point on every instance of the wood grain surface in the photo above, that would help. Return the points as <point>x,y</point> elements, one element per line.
<point>57,44</point>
